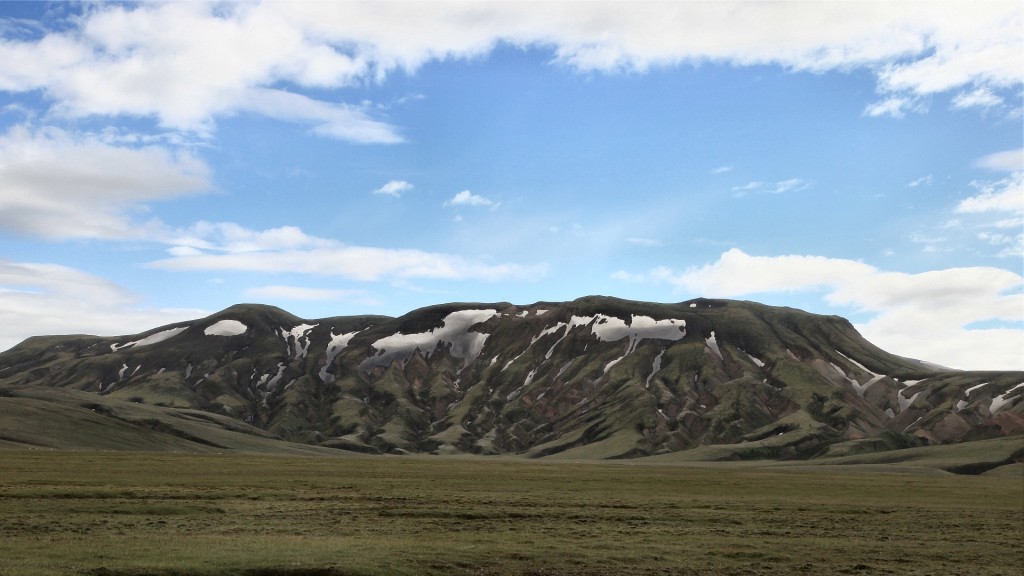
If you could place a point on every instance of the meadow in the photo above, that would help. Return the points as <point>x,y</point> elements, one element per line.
<point>150,514</point>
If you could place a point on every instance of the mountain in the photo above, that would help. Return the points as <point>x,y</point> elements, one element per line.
<point>592,378</point>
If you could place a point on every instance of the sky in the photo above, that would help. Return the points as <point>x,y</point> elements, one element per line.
<point>162,161</point>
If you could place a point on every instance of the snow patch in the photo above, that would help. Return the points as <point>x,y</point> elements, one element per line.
<point>906,402</point>
<point>960,405</point>
<point>611,329</point>
<point>654,369</point>
<point>334,347</point>
<point>151,339</point>
<point>967,392</point>
<point>454,331</point>
<point>712,343</point>
<point>226,328</point>
<point>609,365</point>
<point>999,401</point>
<point>756,360</point>
<point>297,339</point>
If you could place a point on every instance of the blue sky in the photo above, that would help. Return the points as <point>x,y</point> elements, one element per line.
<point>159,162</point>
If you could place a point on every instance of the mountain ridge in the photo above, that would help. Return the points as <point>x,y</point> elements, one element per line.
<point>594,377</point>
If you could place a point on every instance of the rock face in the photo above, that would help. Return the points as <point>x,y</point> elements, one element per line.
<point>596,377</point>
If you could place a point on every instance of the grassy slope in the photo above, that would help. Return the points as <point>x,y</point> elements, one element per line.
<point>163,514</point>
<point>72,420</point>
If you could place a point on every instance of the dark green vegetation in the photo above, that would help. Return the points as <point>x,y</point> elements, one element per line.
<point>153,514</point>
<point>592,378</point>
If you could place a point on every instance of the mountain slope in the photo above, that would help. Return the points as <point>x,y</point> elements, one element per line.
<point>595,377</point>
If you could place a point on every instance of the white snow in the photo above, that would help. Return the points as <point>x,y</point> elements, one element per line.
<point>151,339</point>
<point>712,343</point>
<point>540,311</point>
<point>334,347</point>
<point>890,413</point>
<point>654,369</point>
<point>693,305</point>
<point>999,401</point>
<point>529,378</point>
<point>226,328</point>
<point>609,365</point>
<point>967,392</point>
<point>960,405</point>
<point>120,373</point>
<point>454,331</point>
<point>610,329</point>
<point>756,360</point>
<point>277,377</point>
<point>906,402</point>
<point>299,345</point>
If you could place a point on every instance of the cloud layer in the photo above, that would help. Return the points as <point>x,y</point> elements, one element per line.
<point>58,185</point>
<point>229,247</point>
<point>50,299</point>
<point>188,63</point>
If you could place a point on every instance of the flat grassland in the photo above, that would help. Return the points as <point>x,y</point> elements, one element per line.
<point>120,514</point>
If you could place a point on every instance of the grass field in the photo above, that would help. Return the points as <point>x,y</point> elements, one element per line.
<point>172,514</point>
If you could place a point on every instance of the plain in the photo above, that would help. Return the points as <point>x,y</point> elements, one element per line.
<point>121,514</point>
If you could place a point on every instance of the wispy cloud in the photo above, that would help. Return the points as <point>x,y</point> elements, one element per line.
<point>780,187</point>
<point>467,198</point>
<point>1005,195</point>
<point>226,246</point>
<point>978,98</point>
<point>893,106</point>
<point>721,169</point>
<point>924,315</point>
<point>1005,161</point>
<point>279,292</point>
<point>394,188</point>
<point>922,181</point>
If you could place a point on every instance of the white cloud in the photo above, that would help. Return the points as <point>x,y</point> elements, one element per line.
<point>721,169</point>
<point>52,299</point>
<point>58,185</point>
<point>922,181</point>
<point>188,63</point>
<point>894,106</point>
<point>394,188</point>
<point>1006,195</point>
<point>1005,161</point>
<point>780,187</point>
<point>978,98</point>
<point>228,246</point>
<point>790,185</point>
<point>467,198</point>
<point>748,186</point>
<point>925,316</point>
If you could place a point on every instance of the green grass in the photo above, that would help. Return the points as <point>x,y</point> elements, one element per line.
<point>174,514</point>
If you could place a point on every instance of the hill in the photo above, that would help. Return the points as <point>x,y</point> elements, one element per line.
<point>593,378</point>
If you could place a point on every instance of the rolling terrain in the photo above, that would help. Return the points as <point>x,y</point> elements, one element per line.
<point>592,378</point>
